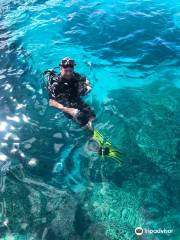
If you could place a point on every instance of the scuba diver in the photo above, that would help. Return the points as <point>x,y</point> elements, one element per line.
<point>65,90</point>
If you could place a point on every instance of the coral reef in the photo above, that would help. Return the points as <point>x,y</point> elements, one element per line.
<point>119,211</point>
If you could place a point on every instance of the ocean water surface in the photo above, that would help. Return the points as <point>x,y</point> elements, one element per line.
<point>52,186</point>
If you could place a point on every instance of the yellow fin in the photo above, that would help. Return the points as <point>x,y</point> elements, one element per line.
<point>98,137</point>
<point>113,152</point>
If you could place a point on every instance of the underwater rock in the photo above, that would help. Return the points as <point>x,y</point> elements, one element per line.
<point>95,232</point>
<point>29,206</point>
<point>16,236</point>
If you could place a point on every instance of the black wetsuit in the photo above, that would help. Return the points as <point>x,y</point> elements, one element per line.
<point>68,93</point>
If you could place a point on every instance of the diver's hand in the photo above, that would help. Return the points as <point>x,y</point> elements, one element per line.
<point>71,111</point>
<point>88,89</point>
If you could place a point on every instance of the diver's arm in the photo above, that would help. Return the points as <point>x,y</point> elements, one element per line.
<point>72,111</point>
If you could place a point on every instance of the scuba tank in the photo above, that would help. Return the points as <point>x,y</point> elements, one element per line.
<point>50,75</point>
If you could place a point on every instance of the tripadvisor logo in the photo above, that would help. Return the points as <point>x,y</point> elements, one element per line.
<point>140,231</point>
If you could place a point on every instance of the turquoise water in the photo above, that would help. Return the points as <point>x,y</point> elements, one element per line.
<point>52,186</point>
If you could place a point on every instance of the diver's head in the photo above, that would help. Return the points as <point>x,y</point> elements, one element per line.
<point>67,67</point>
